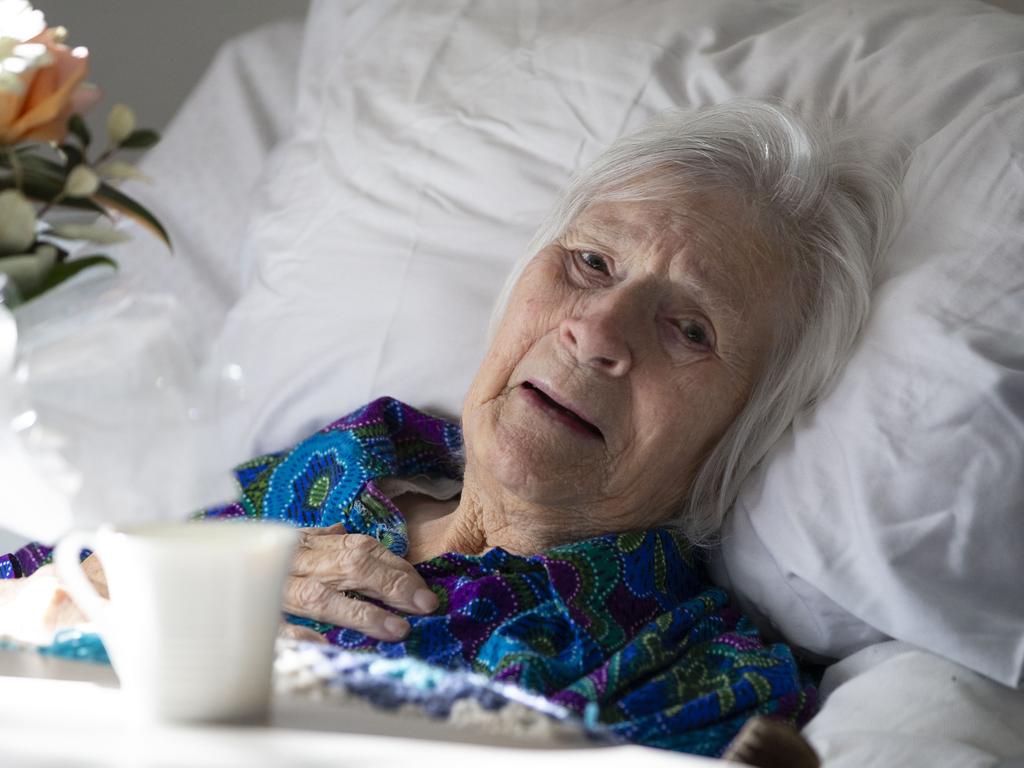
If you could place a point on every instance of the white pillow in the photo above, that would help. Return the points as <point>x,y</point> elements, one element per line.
<point>431,138</point>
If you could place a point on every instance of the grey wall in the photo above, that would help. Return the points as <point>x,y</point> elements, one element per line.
<point>149,53</point>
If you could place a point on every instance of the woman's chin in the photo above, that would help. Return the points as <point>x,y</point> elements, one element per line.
<point>536,457</point>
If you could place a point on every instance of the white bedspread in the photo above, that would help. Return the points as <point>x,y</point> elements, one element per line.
<point>894,705</point>
<point>888,705</point>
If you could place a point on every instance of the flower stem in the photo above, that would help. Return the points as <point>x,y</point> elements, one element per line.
<point>107,154</point>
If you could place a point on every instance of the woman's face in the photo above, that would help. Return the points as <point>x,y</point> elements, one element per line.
<point>627,348</point>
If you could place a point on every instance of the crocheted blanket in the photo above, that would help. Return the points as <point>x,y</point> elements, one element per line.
<point>622,629</point>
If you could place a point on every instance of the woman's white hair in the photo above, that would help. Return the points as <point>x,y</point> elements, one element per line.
<point>825,195</point>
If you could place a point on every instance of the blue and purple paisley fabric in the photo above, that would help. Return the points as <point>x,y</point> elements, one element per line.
<point>624,628</point>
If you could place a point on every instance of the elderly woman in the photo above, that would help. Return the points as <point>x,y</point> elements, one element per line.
<point>693,289</point>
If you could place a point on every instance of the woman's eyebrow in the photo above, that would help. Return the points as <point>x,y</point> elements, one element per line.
<point>723,304</point>
<point>594,236</point>
<point>618,230</point>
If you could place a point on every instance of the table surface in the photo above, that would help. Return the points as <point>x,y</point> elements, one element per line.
<point>56,712</point>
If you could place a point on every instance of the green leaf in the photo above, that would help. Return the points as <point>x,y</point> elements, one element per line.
<point>143,138</point>
<point>29,270</point>
<point>72,155</point>
<point>114,198</point>
<point>44,187</point>
<point>43,179</point>
<point>78,127</point>
<point>66,270</point>
<point>45,166</point>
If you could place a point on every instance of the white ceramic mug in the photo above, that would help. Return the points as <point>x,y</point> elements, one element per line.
<point>192,616</point>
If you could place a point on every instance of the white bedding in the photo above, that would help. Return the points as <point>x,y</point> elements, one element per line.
<point>895,705</point>
<point>430,139</point>
<point>888,705</point>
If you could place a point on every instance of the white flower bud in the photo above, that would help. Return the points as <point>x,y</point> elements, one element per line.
<point>17,222</point>
<point>81,182</point>
<point>120,123</point>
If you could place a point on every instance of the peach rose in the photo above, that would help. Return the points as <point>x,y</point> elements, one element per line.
<point>39,102</point>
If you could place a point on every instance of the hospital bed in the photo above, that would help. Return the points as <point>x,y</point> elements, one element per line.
<point>346,194</point>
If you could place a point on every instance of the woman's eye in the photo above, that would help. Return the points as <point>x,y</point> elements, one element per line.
<point>594,260</point>
<point>695,333</point>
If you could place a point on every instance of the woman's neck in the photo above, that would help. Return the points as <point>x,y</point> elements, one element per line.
<point>477,521</point>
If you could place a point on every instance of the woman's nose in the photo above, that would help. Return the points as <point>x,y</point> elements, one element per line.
<point>595,339</point>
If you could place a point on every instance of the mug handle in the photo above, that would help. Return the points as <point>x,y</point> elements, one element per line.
<point>67,562</point>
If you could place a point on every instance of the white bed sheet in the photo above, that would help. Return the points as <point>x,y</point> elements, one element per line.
<point>892,704</point>
<point>891,509</point>
<point>888,705</point>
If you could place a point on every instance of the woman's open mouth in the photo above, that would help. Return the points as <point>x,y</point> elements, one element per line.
<point>566,416</point>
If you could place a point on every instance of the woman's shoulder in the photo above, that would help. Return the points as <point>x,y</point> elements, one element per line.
<point>318,480</point>
<point>407,440</point>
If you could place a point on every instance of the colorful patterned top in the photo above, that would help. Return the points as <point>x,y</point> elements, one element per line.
<point>622,626</point>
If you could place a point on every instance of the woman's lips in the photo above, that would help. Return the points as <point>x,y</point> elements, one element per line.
<point>561,413</point>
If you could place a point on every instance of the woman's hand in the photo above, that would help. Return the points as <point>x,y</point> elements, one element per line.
<point>32,609</point>
<point>330,563</point>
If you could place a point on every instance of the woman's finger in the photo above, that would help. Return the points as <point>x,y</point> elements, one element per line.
<point>33,608</point>
<point>312,599</point>
<point>62,612</point>
<point>359,563</point>
<point>330,530</point>
<point>94,570</point>
<point>300,633</point>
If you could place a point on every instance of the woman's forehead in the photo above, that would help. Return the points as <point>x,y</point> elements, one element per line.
<point>715,236</point>
<point>711,219</point>
<point>708,247</point>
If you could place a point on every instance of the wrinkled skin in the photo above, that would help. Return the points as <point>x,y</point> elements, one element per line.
<point>654,321</point>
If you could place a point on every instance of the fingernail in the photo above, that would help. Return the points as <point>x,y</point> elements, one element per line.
<point>425,600</point>
<point>396,627</point>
